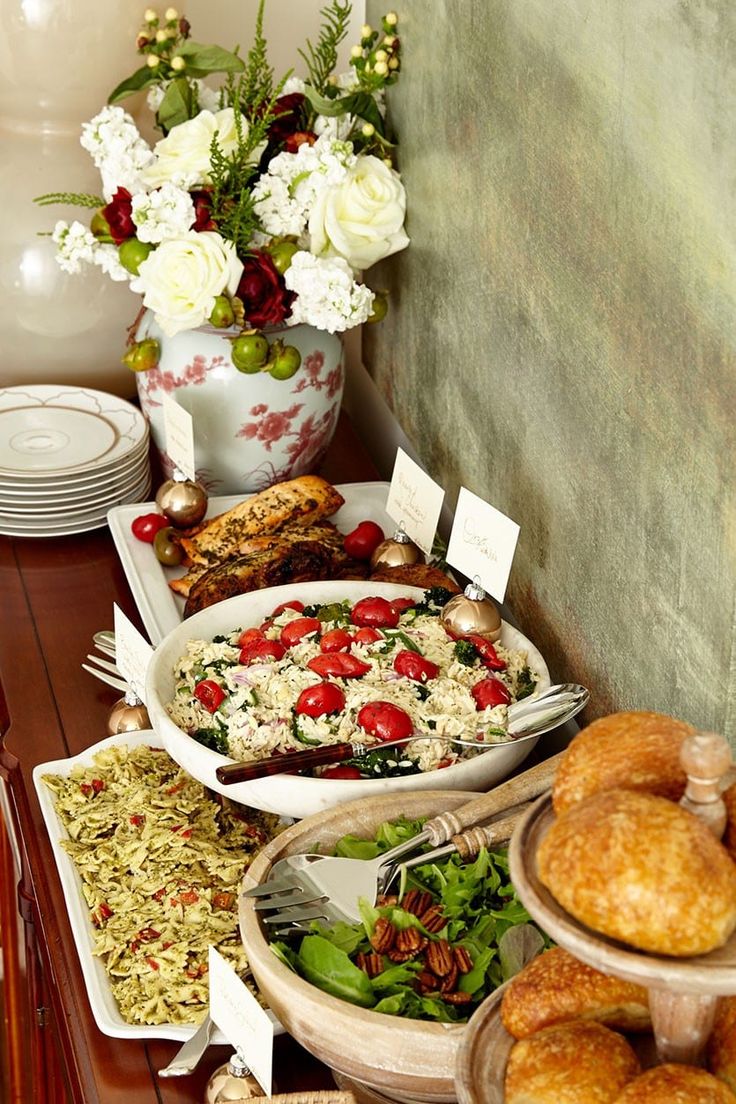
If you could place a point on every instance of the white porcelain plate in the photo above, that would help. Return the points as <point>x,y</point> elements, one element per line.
<point>51,429</point>
<point>100,500</point>
<point>67,486</point>
<point>103,1004</point>
<point>79,522</point>
<point>160,608</point>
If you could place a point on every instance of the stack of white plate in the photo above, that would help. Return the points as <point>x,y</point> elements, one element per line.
<point>67,455</point>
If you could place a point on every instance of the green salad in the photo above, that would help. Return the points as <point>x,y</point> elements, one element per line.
<point>452,935</point>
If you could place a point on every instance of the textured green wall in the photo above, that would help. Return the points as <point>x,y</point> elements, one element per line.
<point>563,329</point>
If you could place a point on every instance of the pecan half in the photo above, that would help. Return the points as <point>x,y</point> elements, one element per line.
<point>433,919</point>
<point>410,939</point>
<point>416,901</point>
<point>384,935</point>
<point>425,983</point>
<point>383,900</point>
<point>463,961</point>
<point>439,958</point>
<point>401,956</point>
<point>371,963</point>
<point>450,980</point>
<point>457,997</point>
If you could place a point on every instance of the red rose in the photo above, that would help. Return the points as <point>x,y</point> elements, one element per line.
<point>118,215</point>
<point>290,118</point>
<point>263,292</point>
<point>202,211</point>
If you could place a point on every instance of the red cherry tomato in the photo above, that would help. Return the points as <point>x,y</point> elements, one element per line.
<point>414,666</point>
<point>248,636</point>
<point>146,526</point>
<point>364,540</point>
<point>259,650</point>
<point>296,630</point>
<point>489,692</point>
<point>338,665</point>
<point>367,635</point>
<point>489,657</point>
<point>295,605</point>
<point>318,700</point>
<point>336,640</point>
<point>210,694</point>
<point>385,721</point>
<point>376,612</point>
<point>401,604</point>
<point>341,771</point>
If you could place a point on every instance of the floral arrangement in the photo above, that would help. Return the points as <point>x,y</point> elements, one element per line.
<point>263,201</point>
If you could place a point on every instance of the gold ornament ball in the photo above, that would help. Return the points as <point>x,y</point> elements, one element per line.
<point>127,718</point>
<point>393,553</point>
<point>463,615</point>
<point>183,502</point>
<point>225,1085</point>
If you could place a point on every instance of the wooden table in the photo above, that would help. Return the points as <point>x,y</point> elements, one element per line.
<point>54,594</point>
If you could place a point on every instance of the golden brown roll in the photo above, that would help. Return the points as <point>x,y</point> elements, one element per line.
<point>675,1084</point>
<point>632,751</point>
<point>572,1063</point>
<point>555,987</point>
<point>721,1052</point>
<point>729,836</point>
<point>643,870</point>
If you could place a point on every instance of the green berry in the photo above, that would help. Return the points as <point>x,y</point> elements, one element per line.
<point>281,254</point>
<point>286,363</point>
<point>222,314</point>
<point>132,254</point>
<point>249,352</point>
<point>380,307</point>
<point>143,355</point>
<point>100,227</point>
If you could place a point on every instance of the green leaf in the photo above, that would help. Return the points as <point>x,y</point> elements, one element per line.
<point>142,78</point>
<point>330,969</point>
<point>177,106</point>
<point>517,946</point>
<point>202,60</point>
<point>347,937</point>
<point>351,847</point>
<point>391,1006</point>
<point>361,104</point>
<point>475,978</point>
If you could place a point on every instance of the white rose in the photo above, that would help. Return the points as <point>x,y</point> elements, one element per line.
<point>183,156</point>
<point>181,278</point>
<point>361,219</point>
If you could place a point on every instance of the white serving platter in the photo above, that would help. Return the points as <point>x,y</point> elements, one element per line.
<point>102,1002</point>
<point>160,608</point>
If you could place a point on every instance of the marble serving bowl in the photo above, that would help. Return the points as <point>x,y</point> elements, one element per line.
<point>412,1060</point>
<point>298,796</point>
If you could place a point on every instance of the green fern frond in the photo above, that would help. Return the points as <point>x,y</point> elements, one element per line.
<point>256,83</point>
<point>76,199</point>
<point>322,58</point>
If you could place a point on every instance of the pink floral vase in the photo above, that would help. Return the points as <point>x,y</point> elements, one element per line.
<point>249,430</point>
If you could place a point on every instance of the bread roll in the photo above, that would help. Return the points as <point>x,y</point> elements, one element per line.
<point>729,836</point>
<point>722,1043</point>
<point>675,1084</point>
<point>555,987</point>
<point>572,1063</point>
<point>632,751</point>
<point>643,870</point>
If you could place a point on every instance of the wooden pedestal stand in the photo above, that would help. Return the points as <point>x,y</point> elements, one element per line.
<point>683,992</point>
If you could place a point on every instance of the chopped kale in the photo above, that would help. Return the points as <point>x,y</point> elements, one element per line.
<point>422,692</point>
<point>212,738</point>
<point>525,683</point>
<point>466,652</point>
<point>330,611</point>
<point>385,763</point>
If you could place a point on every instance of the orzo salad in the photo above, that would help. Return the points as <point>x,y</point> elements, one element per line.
<point>371,671</point>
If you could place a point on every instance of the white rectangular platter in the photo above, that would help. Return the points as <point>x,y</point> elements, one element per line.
<point>160,608</point>
<point>102,1002</point>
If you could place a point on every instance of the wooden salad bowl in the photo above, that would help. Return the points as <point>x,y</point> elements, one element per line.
<point>412,1059</point>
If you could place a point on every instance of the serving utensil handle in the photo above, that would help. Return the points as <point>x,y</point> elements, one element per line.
<point>525,786</point>
<point>283,764</point>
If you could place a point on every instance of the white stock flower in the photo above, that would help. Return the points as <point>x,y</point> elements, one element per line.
<point>106,258</point>
<point>117,150</point>
<point>165,213</point>
<point>293,85</point>
<point>209,98</point>
<point>183,156</point>
<point>362,218</point>
<point>285,195</point>
<point>327,295</point>
<point>182,277</point>
<point>75,244</point>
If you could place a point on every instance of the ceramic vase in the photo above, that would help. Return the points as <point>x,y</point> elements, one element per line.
<point>250,431</point>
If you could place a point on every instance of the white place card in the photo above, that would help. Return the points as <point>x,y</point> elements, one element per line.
<point>414,501</point>
<point>241,1019</point>
<point>179,435</point>
<point>482,543</point>
<point>132,653</point>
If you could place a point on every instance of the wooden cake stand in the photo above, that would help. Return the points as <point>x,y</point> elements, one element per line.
<point>683,992</point>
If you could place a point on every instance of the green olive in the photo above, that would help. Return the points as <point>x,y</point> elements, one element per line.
<point>132,253</point>
<point>167,551</point>
<point>286,363</point>
<point>249,352</point>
